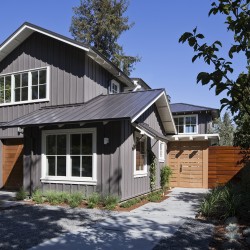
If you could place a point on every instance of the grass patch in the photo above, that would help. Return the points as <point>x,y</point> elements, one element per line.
<point>110,202</point>
<point>21,194</point>
<point>93,200</point>
<point>37,196</point>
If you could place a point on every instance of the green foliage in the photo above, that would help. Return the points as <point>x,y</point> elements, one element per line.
<point>152,170</point>
<point>55,197</point>
<point>166,173</point>
<point>237,15</point>
<point>225,129</point>
<point>221,202</point>
<point>100,23</point>
<point>110,202</point>
<point>130,202</point>
<point>37,196</point>
<point>154,196</point>
<point>74,199</point>
<point>21,194</point>
<point>93,200</point>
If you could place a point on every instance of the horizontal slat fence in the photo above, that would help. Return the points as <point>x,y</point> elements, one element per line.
<point>224,163</point>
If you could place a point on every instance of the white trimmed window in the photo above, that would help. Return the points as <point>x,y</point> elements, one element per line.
<point>140,155</point>
<point>114,87</point>
<point>186,124</point>
<point>161,151</point>
<point>69,156</point>
<point>24,87</point>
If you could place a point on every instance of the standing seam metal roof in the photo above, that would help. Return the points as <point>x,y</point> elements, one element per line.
<point>185,107</point>
<point>101,108</point>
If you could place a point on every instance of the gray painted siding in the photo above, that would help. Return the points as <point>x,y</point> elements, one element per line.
<point>1,162</point>
<point>68,81</point>
<point>204,121</point>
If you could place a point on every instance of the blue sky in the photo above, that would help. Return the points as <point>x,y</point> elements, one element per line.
<point>158,25</point>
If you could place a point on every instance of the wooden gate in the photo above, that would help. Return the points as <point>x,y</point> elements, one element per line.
<point>12,164</point>
<point>188,161</point>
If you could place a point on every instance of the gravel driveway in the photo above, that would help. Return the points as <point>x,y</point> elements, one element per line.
<point>25,226</point>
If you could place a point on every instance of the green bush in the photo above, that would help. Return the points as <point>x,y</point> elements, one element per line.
<point>166,173</point>
<point>37,196</point>
<point>110,202</point>
<point>75,199</point>
<point>21,194</point>
<point>93,200</point>
<point>154,196</point>
<point>55,197</point>
<point>132,202</point>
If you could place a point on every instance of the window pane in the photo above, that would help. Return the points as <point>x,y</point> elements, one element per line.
<point>181,130</point>
<point>34,78</point>
<point>42,76</point>
<point>1,83</point>
<point>86,166</point>
<point>61,145</point>
<point>181,120</point>
<point>87,144</point>
<point>34,92</point>
<point>141,152</point>
<point>51,165</point>
<point>51,145</point>
<point>75,144</point>
<point>17,95</point>
<point>176,121</point>
<point>7,95</point>
<point>24,79</point>
<point>7,82</point>
<point>61,165</point>
<point>193,120</point>
<point>42,91</point>
<point>75,161</point>
<point>17,81</point>
<point>1,96</point>
<point>25,94</point>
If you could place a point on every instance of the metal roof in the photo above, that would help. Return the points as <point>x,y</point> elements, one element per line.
<point>102,108</point>
<point>145,127</point>
<point>27,29</point>
<point>190,108</point>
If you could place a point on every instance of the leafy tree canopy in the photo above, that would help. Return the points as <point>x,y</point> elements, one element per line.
<point>237,20</point>
<point>100,23</point>
<point>224,127</point>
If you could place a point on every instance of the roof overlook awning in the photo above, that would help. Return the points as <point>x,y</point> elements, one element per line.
<point>129,105</point>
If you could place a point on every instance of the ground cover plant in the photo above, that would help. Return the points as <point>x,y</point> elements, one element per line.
<point>21,194</point>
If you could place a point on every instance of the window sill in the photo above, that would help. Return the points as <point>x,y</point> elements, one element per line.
<point>138,175</point>
<point>161,160</point>
<point>69,181</point>
<point>24,102</point>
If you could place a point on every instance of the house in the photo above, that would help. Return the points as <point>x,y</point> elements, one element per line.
<point>72,121</point>
<point>188,150</point>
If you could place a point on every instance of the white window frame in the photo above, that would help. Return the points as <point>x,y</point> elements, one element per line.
<point>111,89</point>
<point>13,102</point>
<point>144,172</point>
<point>162,156</point>
<point>68,179</point>
<point>184,120</point>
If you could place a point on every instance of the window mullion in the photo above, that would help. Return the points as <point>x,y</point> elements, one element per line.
<point>68,157</point>
<point>29,86</point>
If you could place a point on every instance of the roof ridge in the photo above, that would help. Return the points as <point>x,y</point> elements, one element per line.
<point>192,105</point>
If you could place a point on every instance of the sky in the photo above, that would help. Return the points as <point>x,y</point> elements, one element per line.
<point>165,63</point>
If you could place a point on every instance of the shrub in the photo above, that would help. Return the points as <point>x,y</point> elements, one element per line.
<point>37,196</point>
<point>155,196</point>
<point>93,200</point>
<point>166,172</point>
<point>21,194</point>
<point>75,199</point>
<point>110,202</point>
<point>132,202</point>
<point>55,197</point>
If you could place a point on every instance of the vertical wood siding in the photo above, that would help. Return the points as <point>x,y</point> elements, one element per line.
<point>75,78</point>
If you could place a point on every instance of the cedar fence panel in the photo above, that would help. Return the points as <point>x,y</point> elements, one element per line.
<point>224,164</point>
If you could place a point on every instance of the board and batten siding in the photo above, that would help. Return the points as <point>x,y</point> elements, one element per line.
<point>135,186</point>
<point>74,77</point>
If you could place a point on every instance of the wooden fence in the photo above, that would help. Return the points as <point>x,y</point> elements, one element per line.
<point>224,164</point>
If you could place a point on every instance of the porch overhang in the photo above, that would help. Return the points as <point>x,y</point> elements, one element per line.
<point>194,137</point>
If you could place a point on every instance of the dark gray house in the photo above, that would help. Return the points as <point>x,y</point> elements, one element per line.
<point>188,150</point>
<point>71,120</point>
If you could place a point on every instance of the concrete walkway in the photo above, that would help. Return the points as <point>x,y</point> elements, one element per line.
<point>141,228</point>
<point>7,199</point>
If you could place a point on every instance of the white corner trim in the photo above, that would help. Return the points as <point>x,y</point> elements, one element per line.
<point>143,132</point>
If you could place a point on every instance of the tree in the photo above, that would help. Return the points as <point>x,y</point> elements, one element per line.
<point>224,127</point>
<point>237,15</point>
<point>100,23</point>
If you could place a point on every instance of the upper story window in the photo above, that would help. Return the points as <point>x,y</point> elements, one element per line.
<point>187,124</point>
<point>24,87</point>
<point>114,87</point>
